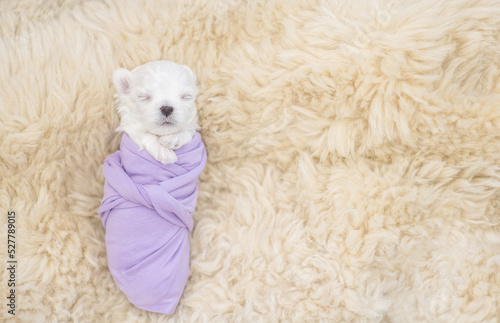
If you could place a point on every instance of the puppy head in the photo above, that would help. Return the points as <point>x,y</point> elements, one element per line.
<point>157,97</point>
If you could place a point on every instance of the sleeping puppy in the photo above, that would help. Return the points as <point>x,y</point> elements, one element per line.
<point>156,104</point>
<point>151,184</point>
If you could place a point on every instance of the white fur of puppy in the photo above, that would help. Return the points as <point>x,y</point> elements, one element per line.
<point>156,104</point>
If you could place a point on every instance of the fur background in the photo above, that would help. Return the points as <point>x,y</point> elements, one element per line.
<point>353,156</point>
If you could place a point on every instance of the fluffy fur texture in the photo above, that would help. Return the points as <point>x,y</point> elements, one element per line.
<point>353,156</point>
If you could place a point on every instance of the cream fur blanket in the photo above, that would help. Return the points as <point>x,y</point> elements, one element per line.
<point>353,167</point>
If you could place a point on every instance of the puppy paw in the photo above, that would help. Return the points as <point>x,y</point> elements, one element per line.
<point>166,156</point>
<point>175,141</point>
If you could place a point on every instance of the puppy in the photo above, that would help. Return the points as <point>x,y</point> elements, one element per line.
<point>151,184</point>
<point>156,104</point>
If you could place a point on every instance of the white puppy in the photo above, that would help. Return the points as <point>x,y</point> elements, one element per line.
<point>156,104</point>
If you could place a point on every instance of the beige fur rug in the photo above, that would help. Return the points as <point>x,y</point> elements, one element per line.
<point>354,157</point>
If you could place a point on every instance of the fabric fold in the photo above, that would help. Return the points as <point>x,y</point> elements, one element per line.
<point>147,212</point>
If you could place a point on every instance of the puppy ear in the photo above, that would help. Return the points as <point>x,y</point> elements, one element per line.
<point>122,79</point>
<point>191,73</point>
<point>194,78</point>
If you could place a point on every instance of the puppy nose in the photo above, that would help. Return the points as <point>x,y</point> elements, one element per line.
<point>166,110</point>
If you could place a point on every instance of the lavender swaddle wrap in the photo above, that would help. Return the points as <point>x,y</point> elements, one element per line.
<point>147,212</point>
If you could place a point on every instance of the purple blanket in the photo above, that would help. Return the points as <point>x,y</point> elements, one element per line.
<point>147,212</point>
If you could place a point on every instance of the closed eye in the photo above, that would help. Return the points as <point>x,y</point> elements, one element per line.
<point>186,97</point>
<point>144,97</point>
